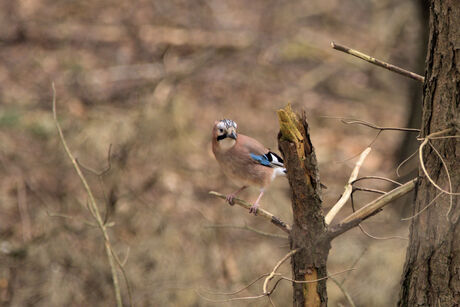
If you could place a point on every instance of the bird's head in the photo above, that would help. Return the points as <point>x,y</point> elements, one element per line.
<point>224,133</point>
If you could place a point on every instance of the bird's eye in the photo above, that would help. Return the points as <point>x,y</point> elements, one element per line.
<point>221,130</point>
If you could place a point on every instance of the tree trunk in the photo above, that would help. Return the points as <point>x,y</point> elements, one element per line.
<point>308,230</point>
<point>431,274</point>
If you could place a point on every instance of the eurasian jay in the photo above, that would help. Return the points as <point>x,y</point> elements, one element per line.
<point>244,160</point>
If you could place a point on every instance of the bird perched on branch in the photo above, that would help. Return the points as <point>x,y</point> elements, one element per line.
<point>244,160</point>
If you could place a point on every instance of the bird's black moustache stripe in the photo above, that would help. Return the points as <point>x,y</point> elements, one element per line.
<point>221,137</point>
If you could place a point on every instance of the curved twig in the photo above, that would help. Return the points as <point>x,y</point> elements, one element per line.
<point>404,162</point>
<point>424,208</point>
<point>273,272</point>
<point>448,178</point>
<point>378,178</point>
<point>422,163</point>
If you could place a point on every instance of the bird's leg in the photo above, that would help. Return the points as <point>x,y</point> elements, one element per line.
<point>230,197</point>
<point>255,206</point>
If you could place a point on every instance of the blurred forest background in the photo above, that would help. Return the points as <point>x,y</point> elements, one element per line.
<point>150,78</point>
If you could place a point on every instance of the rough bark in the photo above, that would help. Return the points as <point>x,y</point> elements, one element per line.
<point>431,274</point>
<point>308,228</point>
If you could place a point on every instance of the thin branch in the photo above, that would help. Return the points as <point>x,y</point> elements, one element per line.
<point>345,293</point>
<point>104,171</point>
<point>373,126</point>
<point>422,163</point>
<point>370,209</point>
<point>237,291</point>
<point>361,227</point>
<point>424,208</point>
<point>260,212</point>
<point>65,216</point>
<point>348,189</point>
<point>374,61</point>
<point>404,162</point>
<point>356,262</point>
<point>307,281</point>
<point>273,272</point>
<point>368,190</point>
<point>249,228</point>
<point>230,299</point>
<point>91,204</point>
<point>271,301</point>
<point>125,276</point>
<point>448,178</point>
<point>378,178</point>
<point>380,238</point>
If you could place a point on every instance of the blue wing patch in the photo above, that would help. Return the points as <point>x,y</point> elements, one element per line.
<point>261,159</point>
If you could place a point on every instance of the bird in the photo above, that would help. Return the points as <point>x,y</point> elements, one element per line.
<point>244,160</point>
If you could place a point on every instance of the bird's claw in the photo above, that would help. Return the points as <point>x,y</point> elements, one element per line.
<point>254,208</point>
<point>230,199</point>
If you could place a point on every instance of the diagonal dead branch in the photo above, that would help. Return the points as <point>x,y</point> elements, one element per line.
<point>348,188</point>
<point>249,228</point>
<point>370,209</point>
<point>380,63</point>
<point>92,205</point>
<point>260,212</point>
<point>362,189</point>
<point>345,292</point>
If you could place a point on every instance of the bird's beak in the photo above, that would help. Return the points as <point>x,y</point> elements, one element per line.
<point>232,135</point>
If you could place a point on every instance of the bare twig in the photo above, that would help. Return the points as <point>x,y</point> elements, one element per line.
<point>104,171</point>
<point>345,293</point>
<point>380,238</point>
<point>424,208</point>
<point>307,281</point>
<point>260,212</point>
<point>370,209</point>
<point>404,162</point>
<point>273,272</point>
<point>448,178</point>
<point>92,205</point>
<point>361,227</point>
<point>243,298</point>
<point>374,61</point>
<point>23,210</point>
<point>125,276</point>
<point>249,228</point>
<point>422,163</point>
<point>237,291</point>
<point>355,263</point>
<point>348,189</point>
<point>373,126</point>
<point>368,190</point>
<point>378,178</point>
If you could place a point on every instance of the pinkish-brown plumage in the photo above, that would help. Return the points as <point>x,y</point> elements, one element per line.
<point>243,159</point>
